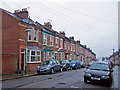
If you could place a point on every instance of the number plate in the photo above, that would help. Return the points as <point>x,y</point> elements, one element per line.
<point>94,78</point>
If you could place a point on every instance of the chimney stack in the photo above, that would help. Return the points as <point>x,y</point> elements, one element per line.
<point>48,24</point>
<point>62,32</point>
<point>78,41</point>
<point>22,14</point>
<point>72,38</point>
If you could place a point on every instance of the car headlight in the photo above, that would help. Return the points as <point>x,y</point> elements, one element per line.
<point>105,77</point>
<point>87,74</point>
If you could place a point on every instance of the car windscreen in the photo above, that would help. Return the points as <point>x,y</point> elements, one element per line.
<point>99,66</point>
<point>73,61</point>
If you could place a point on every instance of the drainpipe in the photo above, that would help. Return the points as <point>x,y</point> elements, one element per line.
<point>42,43</point>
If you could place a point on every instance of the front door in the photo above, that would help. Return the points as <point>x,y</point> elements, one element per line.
<point>22,60</point>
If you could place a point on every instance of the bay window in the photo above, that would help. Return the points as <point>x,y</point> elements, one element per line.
<point>33,56</point>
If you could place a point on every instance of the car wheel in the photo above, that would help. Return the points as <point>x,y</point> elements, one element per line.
<point>85,80</point>
<point>66,69</point>
<point>109,83</point>
<point>52,71</point>
<point>60,69</point>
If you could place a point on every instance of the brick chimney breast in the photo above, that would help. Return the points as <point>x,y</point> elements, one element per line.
<point>22,14</point>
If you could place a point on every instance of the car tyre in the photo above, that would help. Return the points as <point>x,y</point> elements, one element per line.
<point>60,69</point>
<point>52,71</point>
<point>66,69</point>
<point>109,83</point>
<point>85,80</point>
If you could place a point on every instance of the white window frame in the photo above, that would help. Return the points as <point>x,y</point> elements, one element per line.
<point>61,43</point>
<point>30,34</point>
<point>45,39</point>
<point>50,55</point>
<point>45,56</point>
<point>29,61</point>
<point>51,41</point>
<point>56,56</point>
<point>57,42</point>
<point>36,35</point>
<point>65,45</point>
<point>68,46</point>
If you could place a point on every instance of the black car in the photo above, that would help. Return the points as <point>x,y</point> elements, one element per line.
<point>66,65</point>
<point>49,66</point>
<point>99,72</point>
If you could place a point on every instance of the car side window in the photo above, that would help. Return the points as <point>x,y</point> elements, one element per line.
<point>57,62</point>
<point>50,62</point>
<point>54,62</point>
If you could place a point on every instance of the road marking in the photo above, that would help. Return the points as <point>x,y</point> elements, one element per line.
<point>73,87</point>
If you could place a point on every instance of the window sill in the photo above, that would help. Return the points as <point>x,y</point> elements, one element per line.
<point>33,62</point>
<point>33,41</point>
<point>51,46</point>
<point>57,47</point>
<point>44,45</point>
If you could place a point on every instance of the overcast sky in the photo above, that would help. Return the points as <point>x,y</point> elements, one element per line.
<point>94,23</point>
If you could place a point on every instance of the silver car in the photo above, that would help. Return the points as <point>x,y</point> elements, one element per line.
<point>49,66</point>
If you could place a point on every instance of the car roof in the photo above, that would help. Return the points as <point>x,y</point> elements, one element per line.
<point>100,62</point>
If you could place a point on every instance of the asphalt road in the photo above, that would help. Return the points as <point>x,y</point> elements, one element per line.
<point>65,79</point>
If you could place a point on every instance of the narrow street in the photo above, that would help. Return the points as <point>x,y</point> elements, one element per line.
<point>69,79</point>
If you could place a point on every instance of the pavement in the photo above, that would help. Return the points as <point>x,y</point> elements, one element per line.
<point>16,75</point>
<point>116,77</point>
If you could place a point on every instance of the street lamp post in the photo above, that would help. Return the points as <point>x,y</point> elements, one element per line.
<point>25,57</point>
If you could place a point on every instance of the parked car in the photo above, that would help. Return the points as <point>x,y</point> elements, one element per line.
<point>98,72</point>
<point>82,64</point>
<point>110,64</point>
<point>66,65</point>
<point>75,64</point>
<point>49,66</point>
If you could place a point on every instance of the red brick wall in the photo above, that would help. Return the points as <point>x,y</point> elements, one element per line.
<point>10,34</point>
<point>9,64</point>
<point>32,67</point>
